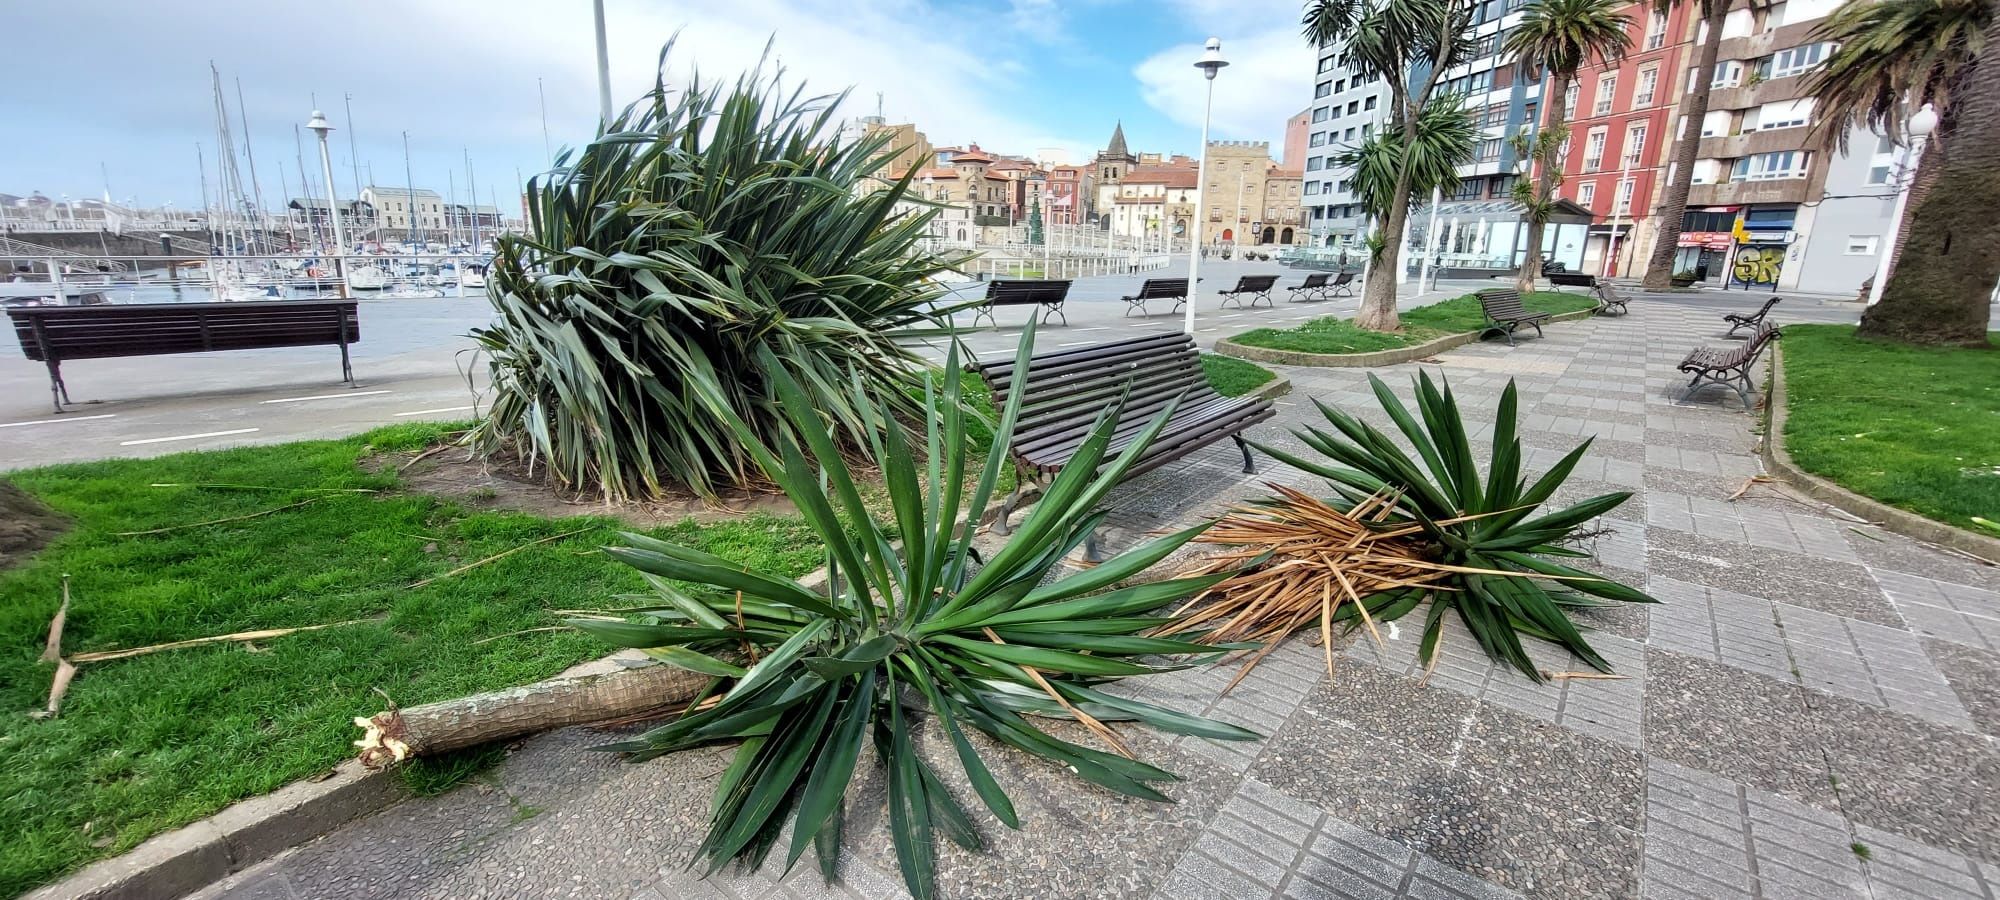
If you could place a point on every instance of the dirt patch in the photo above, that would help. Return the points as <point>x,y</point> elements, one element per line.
<point>25,525</point>
<point>504,482</point>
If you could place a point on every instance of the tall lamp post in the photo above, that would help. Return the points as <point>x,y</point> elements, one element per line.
<point>1210,63</point>
<point>1921,125</point>
<point>603,67</point>
<point>320,126</point>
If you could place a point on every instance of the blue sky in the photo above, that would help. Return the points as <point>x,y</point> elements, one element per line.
<point>127,82</point>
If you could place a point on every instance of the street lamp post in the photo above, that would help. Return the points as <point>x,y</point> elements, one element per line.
<point>320,126</point>
<point>1210,63</point>
<point>603,67</point>
<point>1921,126</point>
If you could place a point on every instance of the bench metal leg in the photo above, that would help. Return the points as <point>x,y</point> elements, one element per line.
<point>1021,485</point>
<point>1093,552</point>
<point>986,311</point>
<point>58,392</point>
<point>1249,468</point>
<point>346,366</point>
<point>1057,309</point>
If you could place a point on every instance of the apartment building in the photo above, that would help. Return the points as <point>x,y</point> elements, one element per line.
<point>1621,116</point>
<point>1347,108</point>
<point>1250,200</point>
<point>1152,202</point>
<point>1761,162</point>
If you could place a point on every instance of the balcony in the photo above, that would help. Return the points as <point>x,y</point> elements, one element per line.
<point>1733,146</point>
<point>1734,193</point>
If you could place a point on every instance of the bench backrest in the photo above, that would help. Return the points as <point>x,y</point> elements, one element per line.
<point>1065,390</point>
<point>1573,279</point>
<point>1163,287</point>
<point>1254,283</point>
<point>1765,309</point>
<point>1606,293</point>
<point>1502,304</point>
<point>1345,278</point>
<point>97,332</point>
<point>1027,291</point>
<point>1764,333</point>
<point>1313,281</point>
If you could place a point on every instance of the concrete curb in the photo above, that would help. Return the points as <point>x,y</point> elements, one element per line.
<point>1271,390</point>
<point>1903,522</point>
<point>1398,355</point>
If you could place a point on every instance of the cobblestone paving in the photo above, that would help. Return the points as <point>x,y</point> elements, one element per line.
<point>1811,713</point>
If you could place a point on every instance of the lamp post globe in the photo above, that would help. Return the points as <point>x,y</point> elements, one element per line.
<point>1210,63</point>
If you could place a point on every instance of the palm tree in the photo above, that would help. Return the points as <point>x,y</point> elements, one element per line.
<point>1694,108</point>
<point>1940,297</point>
<point>1444,141</point>
<point>1893,57</point>
<point>1407,44</point>
<point>1558,37</point>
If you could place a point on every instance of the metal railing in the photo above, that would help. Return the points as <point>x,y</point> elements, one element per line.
<point>13,248</point>
<point>193,279</point>
<point>1065,266</point>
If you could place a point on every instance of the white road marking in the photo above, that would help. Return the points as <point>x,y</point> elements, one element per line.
<point>1076,343</point>
<point>1231,316</point>
<point>1096,328</point>
<point>57,421</point>
<point>1205,330</point>
<point>328,396</point>
<point>445,409</point>
<point>187,437</point>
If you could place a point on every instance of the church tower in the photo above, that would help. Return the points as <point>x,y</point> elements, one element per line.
<point>1114,161</point>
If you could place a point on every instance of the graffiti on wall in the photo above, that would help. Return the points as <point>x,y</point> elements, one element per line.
<point>1758,264</point>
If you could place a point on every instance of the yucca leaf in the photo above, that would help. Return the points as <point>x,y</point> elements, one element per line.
<point>834,767</point>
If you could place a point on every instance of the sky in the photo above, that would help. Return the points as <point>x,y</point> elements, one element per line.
<point>124,96</point>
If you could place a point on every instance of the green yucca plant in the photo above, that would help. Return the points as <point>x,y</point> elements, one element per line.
<point>1505,583</point>
<point>708,236</point>
<point>982,646</point>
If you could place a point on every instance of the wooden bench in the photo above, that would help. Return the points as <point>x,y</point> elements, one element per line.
<point>1571,279</point>
<point>53,334</point>
<point>1257,286</point>
<point>1609,301</point>
<point>1729,368</point>
<point>1318,287</point>
<point>1175,289</point>
<point>1047,293</point>
<point>1066,390</point>
<point>1738,320</point>
<point>1504,313</point>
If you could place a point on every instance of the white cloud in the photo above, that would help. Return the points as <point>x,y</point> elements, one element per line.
<point>1268,80</point>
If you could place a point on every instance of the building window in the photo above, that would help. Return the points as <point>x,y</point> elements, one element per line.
<point>1348,136</point>
<point>1776,166</point>
<point>1571,95</point>
<point>1326,64</point>
<point>1324,88</point>
<point>1368,103</point>
<point>1365,130</point>
<point>1649,81</point>
<point>1656,30</point>
<point>1785,114</point>
<point>1340,86</point>
<point>1488,151</point>
<point>1593,150</point>
<point>1728,74</point>
<point>1353,106</point>
<point>1586,194</point>
<point>1318,139</point>
<point>1315,163</point>
<point>1624,207</point>
<point>1319,115</point>
<point>1862,244</point>
<point>1799,60</point>
<point>1635,142</point>
<point>1607,89</point>
<point>1494,116</point>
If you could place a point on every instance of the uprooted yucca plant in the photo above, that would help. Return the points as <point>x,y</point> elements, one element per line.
<point>707,235</point>
<point>1399,531</point>
<point>989,647</point>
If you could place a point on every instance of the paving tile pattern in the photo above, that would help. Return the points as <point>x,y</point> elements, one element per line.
<point>1810,712</point>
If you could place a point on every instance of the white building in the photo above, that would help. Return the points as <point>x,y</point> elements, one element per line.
<point>1347,109</point>
<point>402,208</point>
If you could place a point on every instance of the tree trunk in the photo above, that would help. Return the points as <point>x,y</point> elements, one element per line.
<point>1378,298</point>
<point>395,735</point>
<point>1545,180</point>
<point>1941,289</point>
<point>1687,144</point>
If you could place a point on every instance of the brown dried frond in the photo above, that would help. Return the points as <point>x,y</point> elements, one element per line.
<point>1320,558</point>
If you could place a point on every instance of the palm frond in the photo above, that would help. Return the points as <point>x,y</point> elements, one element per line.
<point>1892,57</point>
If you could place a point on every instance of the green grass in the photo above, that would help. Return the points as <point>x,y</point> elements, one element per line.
<point>1424,323</point>
<point>1234,377</point>
<point>1916,429</point>
<point>150,743</point>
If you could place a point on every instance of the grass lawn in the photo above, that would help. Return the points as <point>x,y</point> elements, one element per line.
<point>1424,323</point>
<point>1234,377</point>
<point>149,743</point>
<point>1916,429</point>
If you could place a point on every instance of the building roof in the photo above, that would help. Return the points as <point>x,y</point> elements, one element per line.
<point>1281,172</point>
<point>1117,145</point>
<point>1171,176</point>
<point>419,193</point>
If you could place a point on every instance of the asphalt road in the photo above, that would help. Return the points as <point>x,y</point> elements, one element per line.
<point>415,362</point>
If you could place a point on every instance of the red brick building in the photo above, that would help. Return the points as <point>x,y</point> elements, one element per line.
<point>1069,195</point>
<point>1620,137</point>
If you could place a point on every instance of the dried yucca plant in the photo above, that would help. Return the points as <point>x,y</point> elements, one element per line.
<point>1400,531</point>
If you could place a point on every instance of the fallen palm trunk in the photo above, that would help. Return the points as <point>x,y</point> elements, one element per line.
<point>398,734</point>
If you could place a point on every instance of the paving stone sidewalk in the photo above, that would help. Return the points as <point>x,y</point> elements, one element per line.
<point>1810,713</point>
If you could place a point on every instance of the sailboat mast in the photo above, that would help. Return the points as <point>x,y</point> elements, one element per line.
<point>409,183</point>
<point>472,179</point>
<point>451,207</point>
<point>207,213</point>
<point>256,190</point>
<point>353,155</point>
